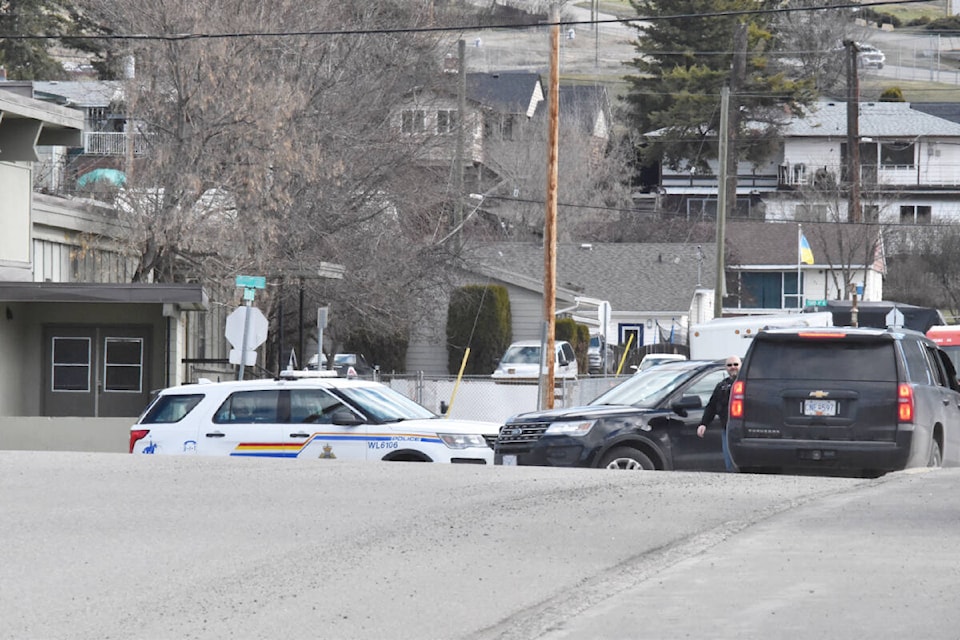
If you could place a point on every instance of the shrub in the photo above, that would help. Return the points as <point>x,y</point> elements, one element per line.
<point>478,317</point>
<point>578,335</point>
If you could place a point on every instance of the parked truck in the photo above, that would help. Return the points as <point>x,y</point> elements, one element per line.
<point>724,337</point>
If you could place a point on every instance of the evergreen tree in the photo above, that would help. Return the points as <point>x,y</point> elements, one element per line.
<point>685,55</point>
<point>53,25</point>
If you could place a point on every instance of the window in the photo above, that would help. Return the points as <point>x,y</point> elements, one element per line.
<point>823,360</point>
<point>71,364</point>
<point>247,407</point>
<point>765,290</point>
<point>705,385</point>
<point>312,406</point>
<point>414,121</point>
<point>172,408</point>
<point>914,214</point>
<point>499,126</point>
<point>123,364</point>
<point>447,121</point>
<point>896,154</point>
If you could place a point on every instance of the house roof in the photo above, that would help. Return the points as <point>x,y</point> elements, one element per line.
<point>776,245</point>
<point>635,277</point>
<point>188,296</point>
<point>946,110</point>
<point>582,103</point>
<point>881,119</point>
<point>505,91</point>
<point>89,93</point>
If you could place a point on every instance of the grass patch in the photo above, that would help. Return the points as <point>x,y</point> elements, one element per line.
<point>913,91</point>
<point>617,8</point>
<point>909,12</point>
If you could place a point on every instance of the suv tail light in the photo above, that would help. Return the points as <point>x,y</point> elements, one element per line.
<point>904,402</point>
<point>137,434</point>
<point>736,399</point>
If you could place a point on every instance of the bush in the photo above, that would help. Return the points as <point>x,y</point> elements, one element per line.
<point>892,94</point>
<point>945,26</point>
<point>578,335</point>
<point>478,317</point>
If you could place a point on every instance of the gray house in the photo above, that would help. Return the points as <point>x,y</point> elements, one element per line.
<point>654,289</point>
<point>77,339</point>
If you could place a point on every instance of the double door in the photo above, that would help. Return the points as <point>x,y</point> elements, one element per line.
<point>98,371</point>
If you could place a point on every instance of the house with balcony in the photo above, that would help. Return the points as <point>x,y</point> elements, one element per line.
<point>109,144</point>
<point>907,174</point>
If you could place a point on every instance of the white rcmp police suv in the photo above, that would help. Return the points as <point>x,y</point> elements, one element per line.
<point>327,418</point>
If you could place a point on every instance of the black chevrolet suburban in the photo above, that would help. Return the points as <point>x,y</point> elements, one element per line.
<point>841,400</point>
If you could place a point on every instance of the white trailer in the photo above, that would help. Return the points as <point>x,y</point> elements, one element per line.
<point>723,337</point>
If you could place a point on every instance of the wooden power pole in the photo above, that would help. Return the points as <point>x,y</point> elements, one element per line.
<point>550,220</point>
<point>854,210</point>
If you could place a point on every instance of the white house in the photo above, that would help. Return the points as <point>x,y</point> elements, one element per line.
<point>909,170</point>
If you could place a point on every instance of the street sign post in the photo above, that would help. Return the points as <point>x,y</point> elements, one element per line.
<point>322,314</point>
<point>245,320</point>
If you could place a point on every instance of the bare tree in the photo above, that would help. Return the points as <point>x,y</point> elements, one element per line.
<point>809,43</point>
<point>925,270</point>
<point>593,185</point>
<point>847,248</point>
<point>268,154</point>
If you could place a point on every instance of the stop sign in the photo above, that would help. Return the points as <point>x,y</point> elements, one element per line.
<point>256,331</point>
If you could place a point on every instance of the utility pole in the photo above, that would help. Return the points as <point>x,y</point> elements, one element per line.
<point>461,109</point>
<point>722,200</point>
<point>550,219</point>
<point>853,131</point>
<point>727,156</point>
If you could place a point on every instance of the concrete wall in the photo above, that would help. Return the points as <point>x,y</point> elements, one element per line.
<point>108,435</point>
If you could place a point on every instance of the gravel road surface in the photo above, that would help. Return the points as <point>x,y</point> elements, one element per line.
<point>119,546</point>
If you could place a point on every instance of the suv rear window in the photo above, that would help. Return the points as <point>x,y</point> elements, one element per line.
<point>823,360</point>
<point>171,408</point>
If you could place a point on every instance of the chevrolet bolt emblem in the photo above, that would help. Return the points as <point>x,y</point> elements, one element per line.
<point>819,394</point>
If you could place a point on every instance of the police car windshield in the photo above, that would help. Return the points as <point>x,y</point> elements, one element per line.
<point>645,389</point>
<point>384,404</point>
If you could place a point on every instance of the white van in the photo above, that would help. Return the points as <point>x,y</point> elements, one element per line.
<point>521,362</point>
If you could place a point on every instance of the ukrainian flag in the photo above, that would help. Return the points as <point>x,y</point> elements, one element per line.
<point>806,253</point>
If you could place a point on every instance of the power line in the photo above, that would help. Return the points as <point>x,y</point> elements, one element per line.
<point>409,30</point>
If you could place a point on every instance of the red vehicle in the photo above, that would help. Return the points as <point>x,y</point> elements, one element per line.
<point>948,337</point>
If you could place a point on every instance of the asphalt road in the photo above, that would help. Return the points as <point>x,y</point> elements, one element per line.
<point>119,546</point>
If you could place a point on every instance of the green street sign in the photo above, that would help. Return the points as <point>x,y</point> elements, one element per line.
<point>816,303</point>
<point>252,282</point>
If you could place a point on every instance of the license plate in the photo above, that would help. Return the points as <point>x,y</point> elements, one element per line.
<point>819,407</point>
<point>509,461</point>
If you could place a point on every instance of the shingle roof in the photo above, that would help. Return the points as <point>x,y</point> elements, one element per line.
<point>946,110</point>
<point>506,91</point>
<point>88,93</point>
<point>580,102</point>
<point>882,119</point>
<point>637,277</point>
<point>776,244</point>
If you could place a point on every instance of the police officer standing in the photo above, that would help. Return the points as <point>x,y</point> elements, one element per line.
<point>718,407</point>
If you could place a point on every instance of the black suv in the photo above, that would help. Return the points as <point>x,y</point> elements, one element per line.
<point>844,400</point>
<point>647,422</point>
